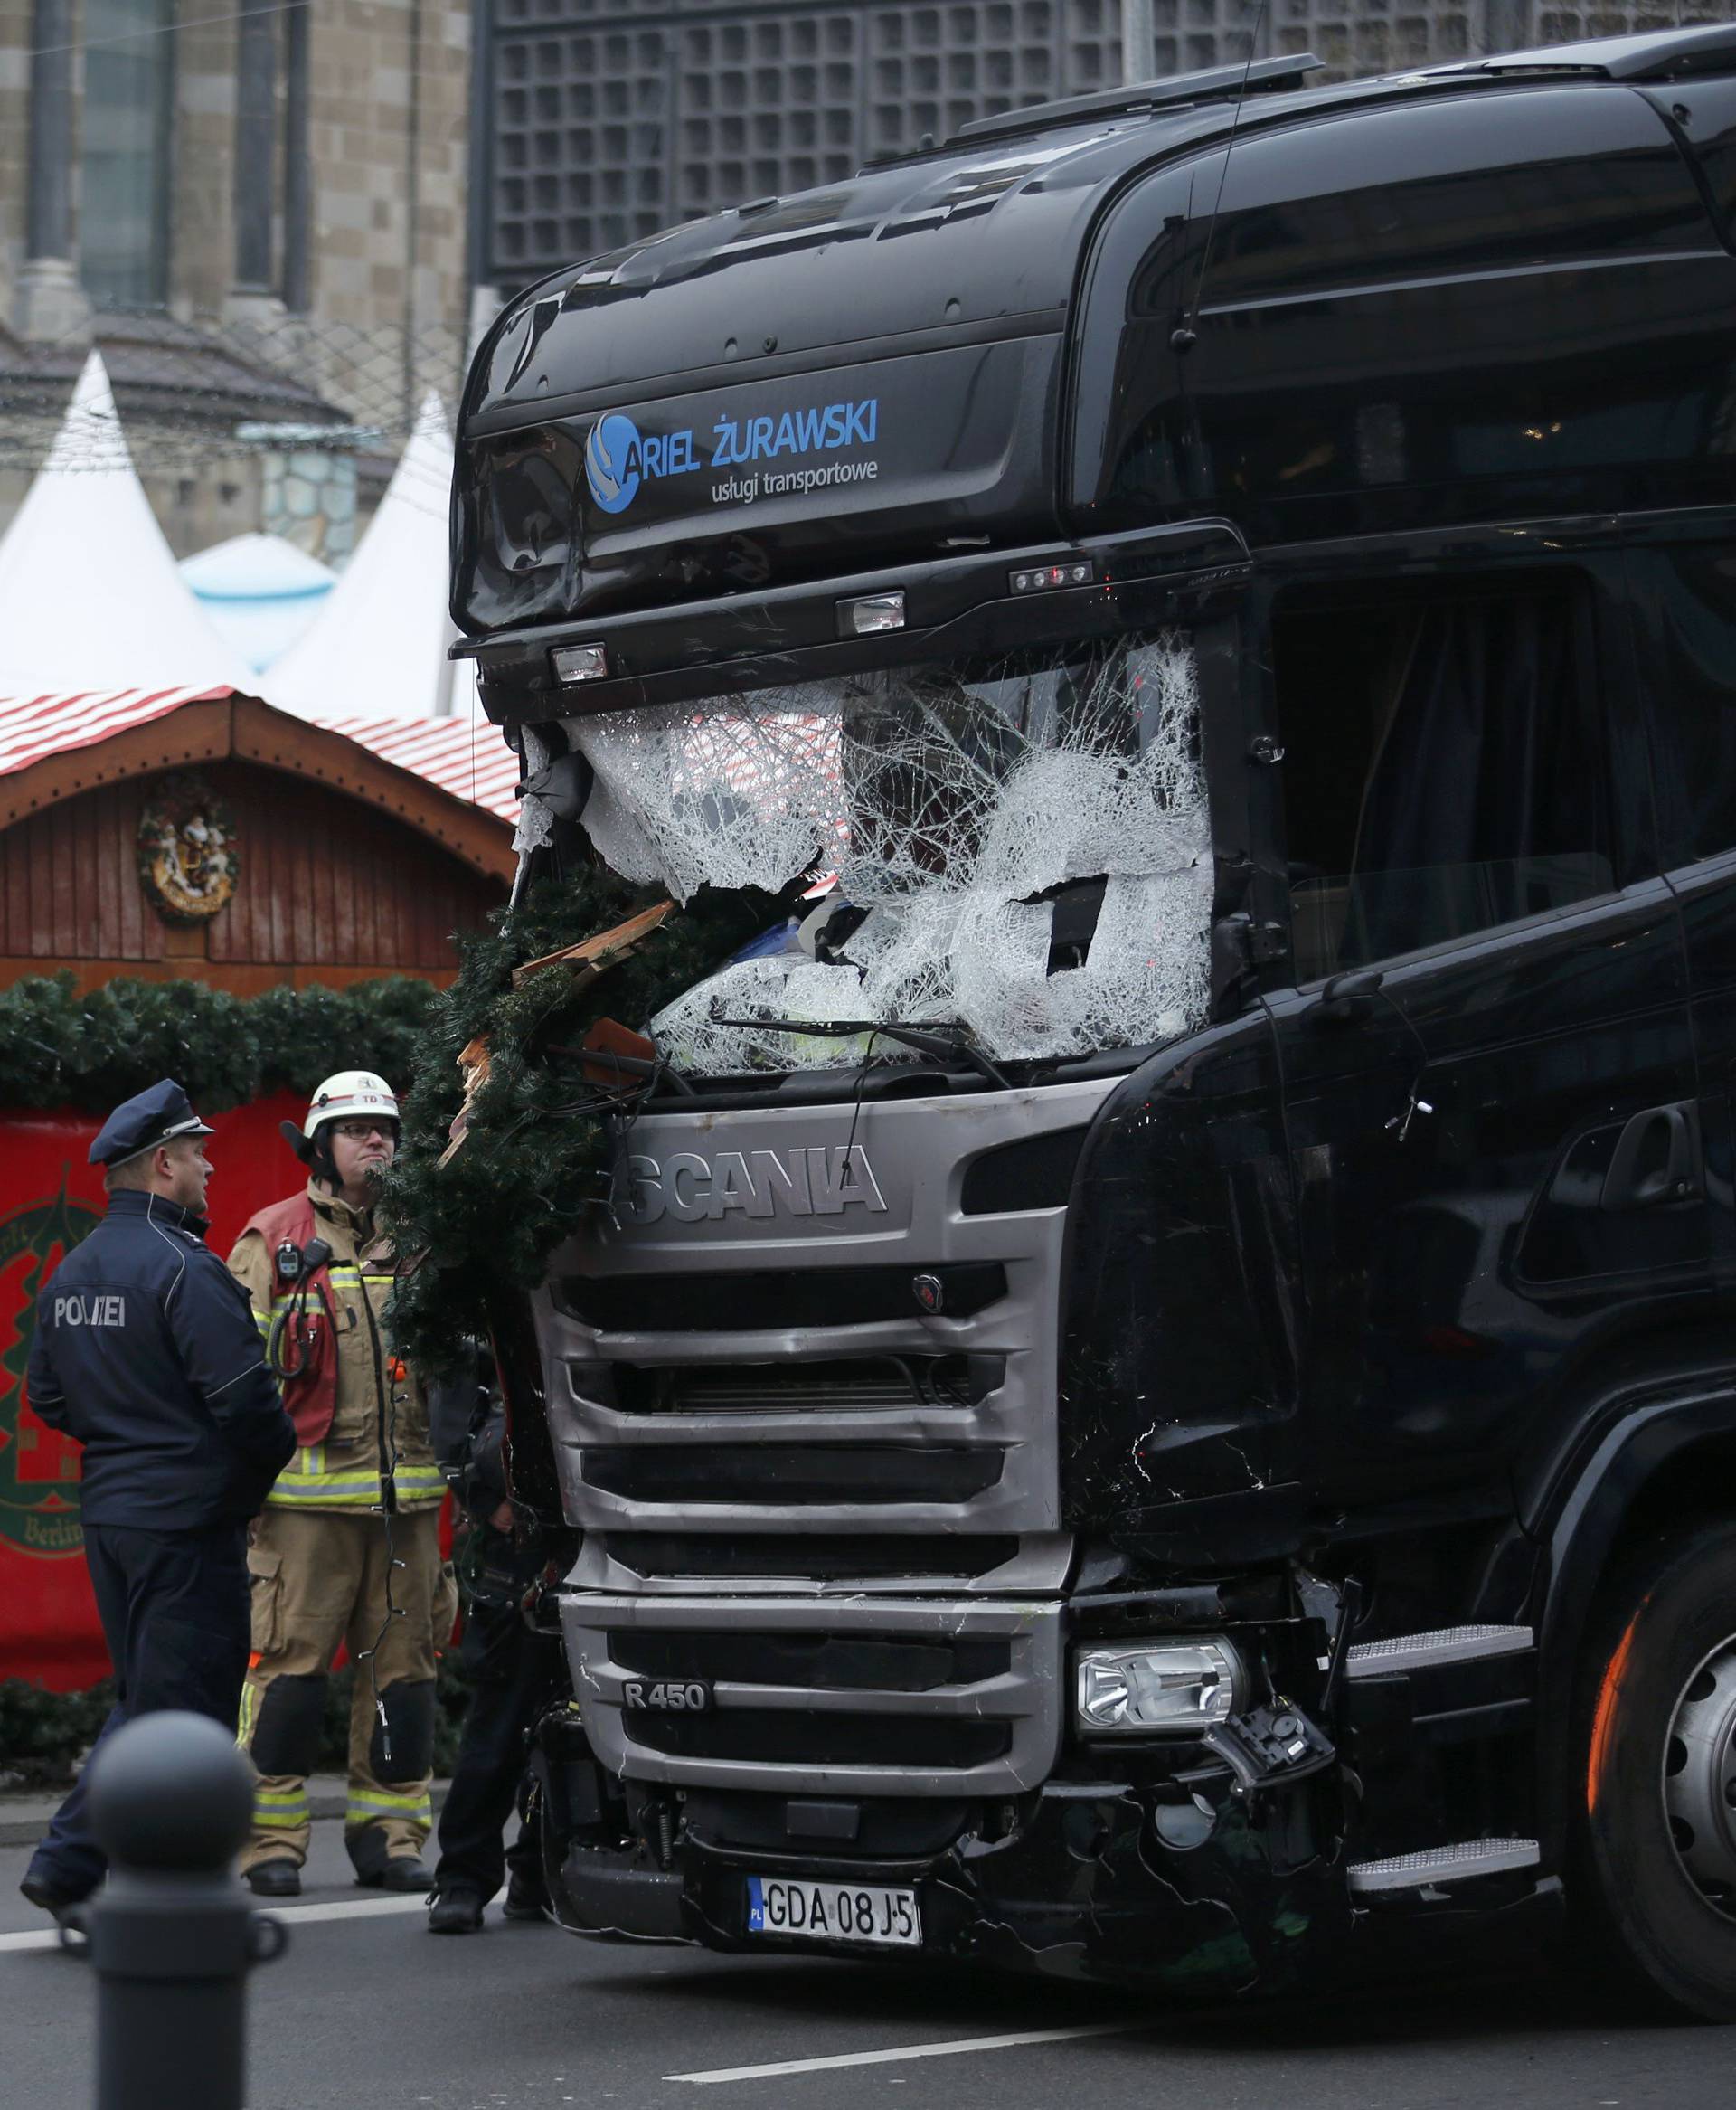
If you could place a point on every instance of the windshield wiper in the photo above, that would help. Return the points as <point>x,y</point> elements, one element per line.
<point>924,1043</point>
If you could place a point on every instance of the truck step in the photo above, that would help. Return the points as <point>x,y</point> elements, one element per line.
<point>1444,1864</point>
<point>1445,1644</point>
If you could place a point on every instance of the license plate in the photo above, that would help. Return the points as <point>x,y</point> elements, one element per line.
<point>834,1912</point>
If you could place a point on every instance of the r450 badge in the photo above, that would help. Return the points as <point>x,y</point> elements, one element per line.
<point>666,1696</point>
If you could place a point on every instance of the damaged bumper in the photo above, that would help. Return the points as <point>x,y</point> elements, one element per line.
<point>1234,1863</point>
<point>1084,1885</point>
<point>948,1784</point>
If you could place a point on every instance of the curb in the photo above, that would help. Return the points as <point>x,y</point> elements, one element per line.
<point>23,1821</point>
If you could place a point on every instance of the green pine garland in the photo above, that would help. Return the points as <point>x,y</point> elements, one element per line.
<point>539,1145</point>
<point>59,1048</point>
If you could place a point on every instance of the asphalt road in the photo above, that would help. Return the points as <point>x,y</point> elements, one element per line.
<point>369,2010</point>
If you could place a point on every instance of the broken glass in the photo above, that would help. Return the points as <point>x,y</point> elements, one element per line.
<point>1025,840</point>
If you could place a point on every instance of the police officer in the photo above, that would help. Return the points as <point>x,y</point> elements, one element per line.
<point>517,1673</point>
<point>146,1352</point>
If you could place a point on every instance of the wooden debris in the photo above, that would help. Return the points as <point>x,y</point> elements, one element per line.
<point>588,960</point>
<point>474,1059</point>
<point>597,955</point>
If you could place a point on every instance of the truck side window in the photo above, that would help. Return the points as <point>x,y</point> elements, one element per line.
<point>1473,185</point>
<point>1408,308</point>
<point>1444,768</point>
<point>1691,595</point>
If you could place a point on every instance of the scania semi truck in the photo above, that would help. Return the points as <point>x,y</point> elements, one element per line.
<point>1155,1397</point>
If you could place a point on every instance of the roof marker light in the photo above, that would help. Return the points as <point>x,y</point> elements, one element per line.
<point>1045,578</point>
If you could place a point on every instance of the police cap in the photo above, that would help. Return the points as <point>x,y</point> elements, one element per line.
<point>146,1120</point>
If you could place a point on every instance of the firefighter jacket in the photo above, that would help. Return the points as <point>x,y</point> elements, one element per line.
<point>143,1354</point>
<point>359,1411</point>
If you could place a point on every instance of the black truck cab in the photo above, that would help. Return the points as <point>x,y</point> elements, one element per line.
<point>1255,567</point>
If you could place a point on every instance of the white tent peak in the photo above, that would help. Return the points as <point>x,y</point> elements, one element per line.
<point>90,439</point>
<point>91,596</point>
<point>377,647</point>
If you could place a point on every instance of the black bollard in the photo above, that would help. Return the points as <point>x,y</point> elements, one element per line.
<point>172,1934</point>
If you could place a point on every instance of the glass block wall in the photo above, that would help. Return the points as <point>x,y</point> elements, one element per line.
<point>608,119</point>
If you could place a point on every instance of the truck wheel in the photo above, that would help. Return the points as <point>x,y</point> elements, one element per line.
<point>1655,1875</point>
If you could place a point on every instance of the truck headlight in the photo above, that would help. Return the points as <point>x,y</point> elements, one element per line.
<point>1136,1688</point>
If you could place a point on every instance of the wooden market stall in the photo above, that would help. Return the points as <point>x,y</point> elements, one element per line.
<point>207,834</point>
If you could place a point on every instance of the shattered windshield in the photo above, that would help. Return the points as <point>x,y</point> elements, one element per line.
<point>1018,847</point>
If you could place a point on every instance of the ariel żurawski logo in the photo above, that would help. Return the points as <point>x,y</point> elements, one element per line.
<point>39,1468</point>
<point>620,457</point>
<point>614,461</point>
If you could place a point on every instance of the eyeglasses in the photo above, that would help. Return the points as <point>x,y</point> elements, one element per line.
<point>358,1131</point>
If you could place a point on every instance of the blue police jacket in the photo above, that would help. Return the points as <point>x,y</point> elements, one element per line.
<point>147,1353</point>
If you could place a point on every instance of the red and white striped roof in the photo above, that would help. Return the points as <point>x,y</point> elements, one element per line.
<point>466,757</point>
<point>34,727</point>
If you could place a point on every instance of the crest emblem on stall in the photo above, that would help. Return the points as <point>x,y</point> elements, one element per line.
<point>188,856</point>
<point>39,1468</point>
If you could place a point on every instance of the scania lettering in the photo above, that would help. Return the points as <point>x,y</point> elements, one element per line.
<point>757,1183</point>
<point>1160,1349</point>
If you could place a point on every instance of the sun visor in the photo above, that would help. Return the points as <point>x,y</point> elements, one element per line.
<point>767,483</point>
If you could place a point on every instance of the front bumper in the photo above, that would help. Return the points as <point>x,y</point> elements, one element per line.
<point>1082,1887</point>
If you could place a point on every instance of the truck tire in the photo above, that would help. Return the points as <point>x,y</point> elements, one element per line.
<point>1653,1879</point>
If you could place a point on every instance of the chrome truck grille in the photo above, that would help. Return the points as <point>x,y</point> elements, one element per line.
<point>803,1399</point>
<point>895,1696</point>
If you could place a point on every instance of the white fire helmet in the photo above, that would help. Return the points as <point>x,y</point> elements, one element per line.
<point>350,1095</point>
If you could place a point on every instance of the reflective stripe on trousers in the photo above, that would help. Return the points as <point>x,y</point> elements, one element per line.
<point>330,1569</point>
<point>417,1806</point>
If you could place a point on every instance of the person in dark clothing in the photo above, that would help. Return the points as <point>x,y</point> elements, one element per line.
<point>517,1673</point>
<point>145,1353</point>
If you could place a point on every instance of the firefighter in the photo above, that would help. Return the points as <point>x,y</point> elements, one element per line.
<point>144,1353</point>
<point>347,1550</point>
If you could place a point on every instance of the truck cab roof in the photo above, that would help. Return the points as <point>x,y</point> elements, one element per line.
<point>1476,293</point>
<point>1006,206</point>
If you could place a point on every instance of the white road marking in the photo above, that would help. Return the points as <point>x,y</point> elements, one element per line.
<point>760,2073</point>
<point>349,1908</point>
<point>337,1908</point>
